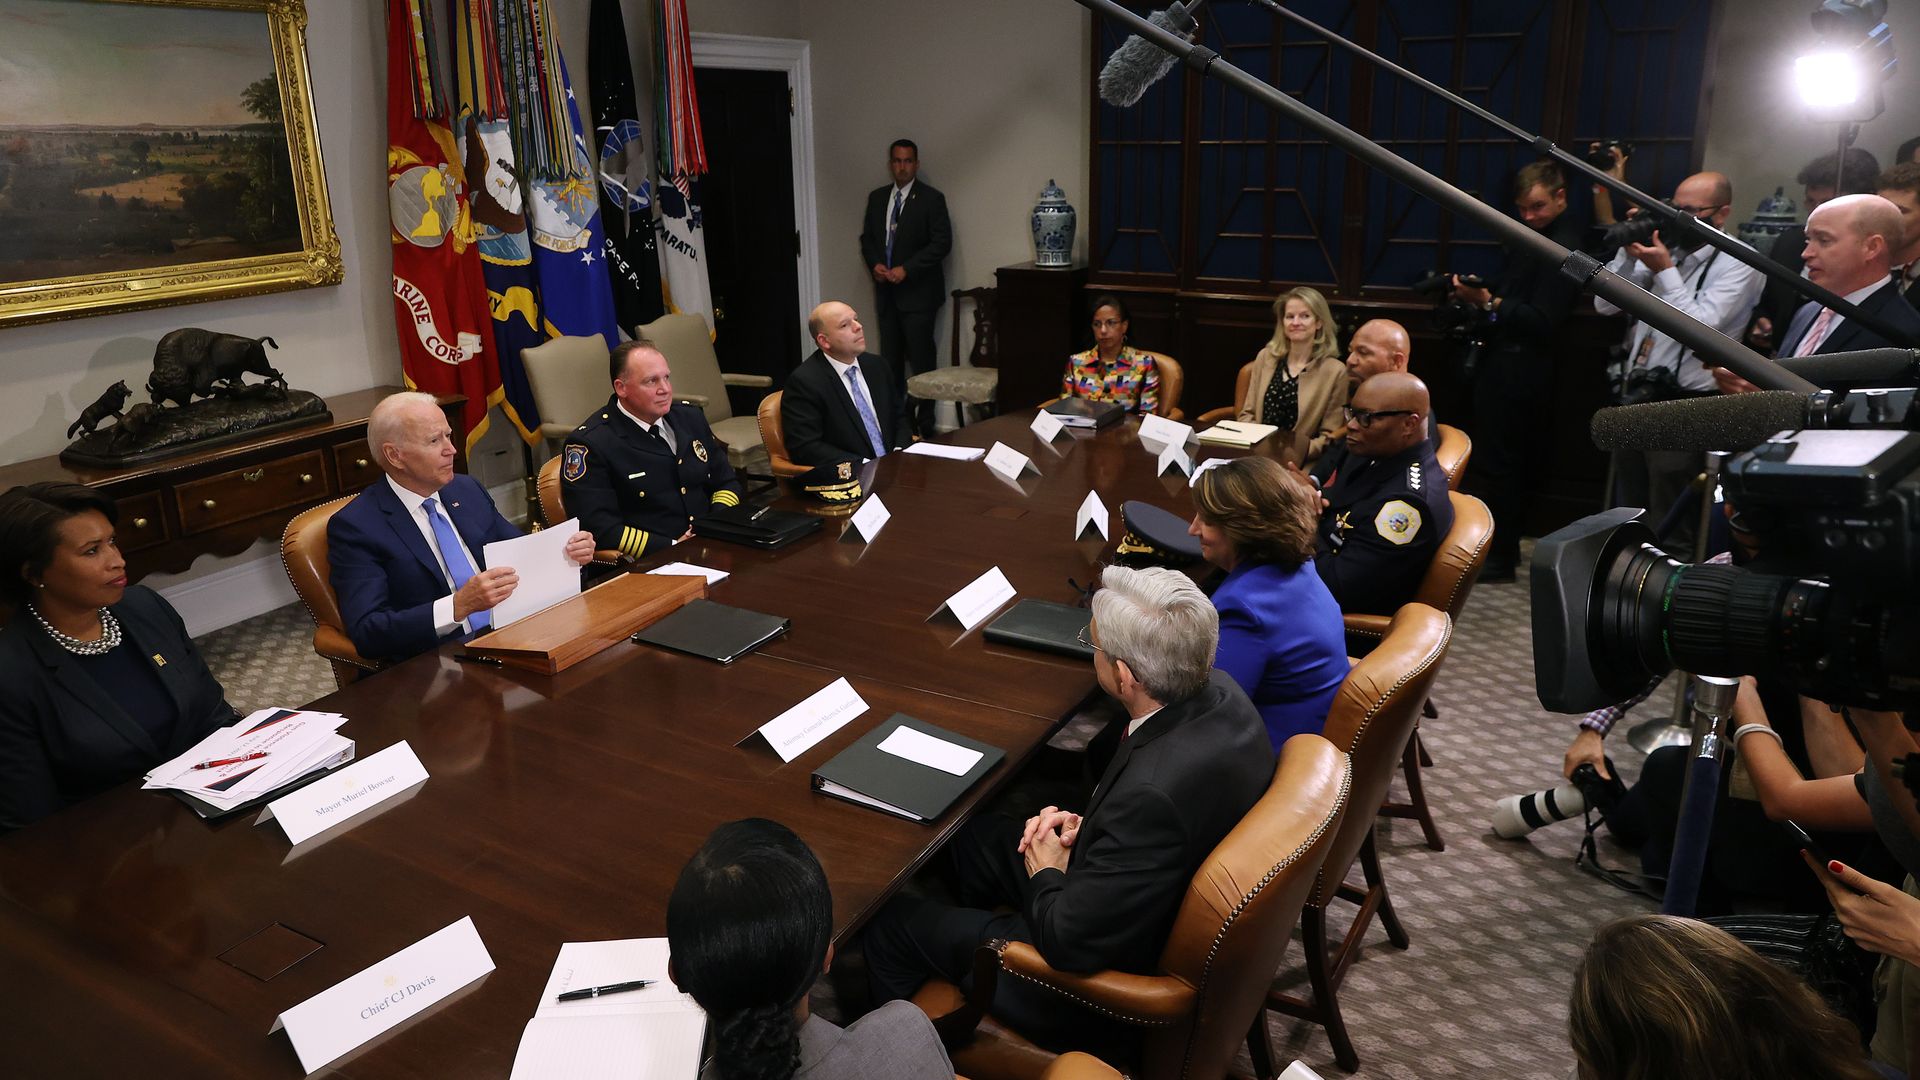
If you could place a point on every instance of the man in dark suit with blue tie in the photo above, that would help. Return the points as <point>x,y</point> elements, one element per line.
<point>408,552</point>
<point>841,404</point>
<point>905,237</point>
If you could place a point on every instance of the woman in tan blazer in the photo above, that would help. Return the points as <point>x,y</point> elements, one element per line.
<point>1299,381</point>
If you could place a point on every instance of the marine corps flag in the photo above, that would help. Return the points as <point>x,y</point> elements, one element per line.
<point>626,170</point>
<point>439,298</point>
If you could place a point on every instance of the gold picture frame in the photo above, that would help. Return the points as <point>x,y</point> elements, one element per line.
<point>159,213</point>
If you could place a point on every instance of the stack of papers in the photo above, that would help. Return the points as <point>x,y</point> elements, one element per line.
<point>655,1031</point>
<point>1236,433</point>
<point>942,450</point>
<point>264,752</point>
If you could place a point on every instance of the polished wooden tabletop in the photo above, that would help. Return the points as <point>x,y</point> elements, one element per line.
<point>557,808</point>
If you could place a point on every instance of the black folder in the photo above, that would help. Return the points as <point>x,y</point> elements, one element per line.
<point>756,525</point>
<point>1081,413</point>
<point>865,774</point>
<point>1043,625</point>
<point>715,631</point>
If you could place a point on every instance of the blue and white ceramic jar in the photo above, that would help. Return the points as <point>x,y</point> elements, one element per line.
<point>1776,215</point>
<point>1053,225</point>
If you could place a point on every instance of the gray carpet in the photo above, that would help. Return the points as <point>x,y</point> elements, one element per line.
<point>1496,925</point>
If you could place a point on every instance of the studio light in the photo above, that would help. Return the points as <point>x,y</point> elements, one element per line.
<point>1842,78</point>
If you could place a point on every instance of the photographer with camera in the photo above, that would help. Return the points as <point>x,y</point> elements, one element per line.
<point>1695,278</point>
<point>1526,308</point>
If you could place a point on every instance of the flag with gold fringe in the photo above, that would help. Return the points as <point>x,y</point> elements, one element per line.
<point>683,161</point>
<point>439,295</point>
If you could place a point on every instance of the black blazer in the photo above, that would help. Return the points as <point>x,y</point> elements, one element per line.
<point>64,739</point>
<point>1884,302</point>
<point>1172,792</point>
<point>819,420</point>
<point>921,241</point>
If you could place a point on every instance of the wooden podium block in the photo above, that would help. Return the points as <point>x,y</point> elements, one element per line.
<point>554,640</point>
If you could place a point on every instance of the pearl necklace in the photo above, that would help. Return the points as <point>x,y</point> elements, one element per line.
<point>109,635</point>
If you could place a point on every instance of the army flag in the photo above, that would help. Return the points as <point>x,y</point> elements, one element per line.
<point>439,296</point>
<point>626,170</point>
<point>683,160</point>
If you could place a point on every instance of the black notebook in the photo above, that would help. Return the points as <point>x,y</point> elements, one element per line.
<point>715,631</point>
<point>756,525</point>
<point>1043,625</point>
<point>864,773</point>
<point>1081,413</point>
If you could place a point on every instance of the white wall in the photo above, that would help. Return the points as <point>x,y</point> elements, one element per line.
<point>1757,133</point>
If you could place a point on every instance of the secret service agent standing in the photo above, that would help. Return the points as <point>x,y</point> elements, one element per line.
<point>1387,506</point>
<point>644,468</point>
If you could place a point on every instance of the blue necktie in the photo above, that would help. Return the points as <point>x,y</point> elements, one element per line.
<point>457,565</point>
<point>866,412</point>
<point>893,223</point>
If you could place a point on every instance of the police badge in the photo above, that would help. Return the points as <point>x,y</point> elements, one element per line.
<point>699,451</point>
<point>574,464</point>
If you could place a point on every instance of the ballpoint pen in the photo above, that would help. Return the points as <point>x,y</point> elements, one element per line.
<point>217,762</point>
<point>610,988</point>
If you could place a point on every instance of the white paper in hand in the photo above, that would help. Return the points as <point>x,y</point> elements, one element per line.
<point>547,576</point>
<point>1093,513</point>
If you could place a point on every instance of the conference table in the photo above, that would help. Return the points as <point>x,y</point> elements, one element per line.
<point>137,938</point>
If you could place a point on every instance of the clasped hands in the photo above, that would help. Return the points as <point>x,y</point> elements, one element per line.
<point>1048,836</point>
<point>485,590</point>
<point>889,275</point>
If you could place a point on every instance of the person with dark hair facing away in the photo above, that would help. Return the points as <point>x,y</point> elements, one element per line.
<point>1113,370</point>
<point>749,929</point>
<point>1657,997</point>
<point>102,681</point>
<point>1820,182</point>
<point>904,238</point>
<point>1281,636</point>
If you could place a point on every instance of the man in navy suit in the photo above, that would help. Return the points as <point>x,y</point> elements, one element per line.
<point>1850,246</point>
<point>841,404</point>
<point>904,237</point>
<point>408,552</point>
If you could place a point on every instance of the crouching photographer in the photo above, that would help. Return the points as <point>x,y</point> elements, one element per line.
<point>1526,309</point>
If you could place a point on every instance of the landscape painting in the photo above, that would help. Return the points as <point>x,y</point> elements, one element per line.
<point>156,152</point>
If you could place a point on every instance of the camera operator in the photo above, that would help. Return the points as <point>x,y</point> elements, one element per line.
<point>1818,184</point>
<point>1703,282</point>
<point>1527,307</point>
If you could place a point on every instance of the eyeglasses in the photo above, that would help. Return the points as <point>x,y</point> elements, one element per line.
<point>1366,417</point>
<point>1087,641</point>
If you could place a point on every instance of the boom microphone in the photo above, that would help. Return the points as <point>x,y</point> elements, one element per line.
<point>1731,422</point>
<point>1853,370</point>
<point>1138,63</point>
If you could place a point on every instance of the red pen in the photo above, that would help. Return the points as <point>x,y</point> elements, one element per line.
<point>230,760</point>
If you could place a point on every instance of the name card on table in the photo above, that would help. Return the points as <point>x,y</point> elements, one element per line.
<point>870,518</point>
<point>1047,426</point>
<point>359,1007</point>
<point>979,599</point>
<point>1008,462</point>
<point>352,791</point>
<point>797,730</point>
<point>1093,515</point>
<point>1174,457</point>
<point>1161,429</point>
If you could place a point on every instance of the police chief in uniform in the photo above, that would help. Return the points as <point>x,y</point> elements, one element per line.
<point>644,468</point>
<point>1387,505</point>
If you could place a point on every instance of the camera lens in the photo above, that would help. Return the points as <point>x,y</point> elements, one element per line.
<point>1709,619</point>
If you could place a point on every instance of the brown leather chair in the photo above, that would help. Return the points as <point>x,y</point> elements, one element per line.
<point>1452,449</point>
<point>303,551</point>
<point>774,437</point>
<point>1173,378</point>
<point>1372,720</point>
<point>553,509</point>
<point>1228,412</point>
<point>1229,936</point>
<point>1448,583</point>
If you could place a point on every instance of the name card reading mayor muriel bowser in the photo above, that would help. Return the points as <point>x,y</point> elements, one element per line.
<point>353,790</point>
<point>359,1007</point>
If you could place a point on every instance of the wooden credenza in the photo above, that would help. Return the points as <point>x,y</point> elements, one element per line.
<point>219,501</point>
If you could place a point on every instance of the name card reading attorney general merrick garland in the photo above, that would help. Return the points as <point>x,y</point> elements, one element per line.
<point>795,731</point>
<point>979,599</point>
<point>359,1007</point>
<point>353,790</point>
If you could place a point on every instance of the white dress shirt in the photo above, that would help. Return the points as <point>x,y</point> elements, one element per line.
<point>840,376</point>
<point>443,621</point>
<point>666,429</point>
<point>1709,285</point>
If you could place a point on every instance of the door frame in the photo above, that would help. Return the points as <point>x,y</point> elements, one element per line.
<point>743,52</point>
